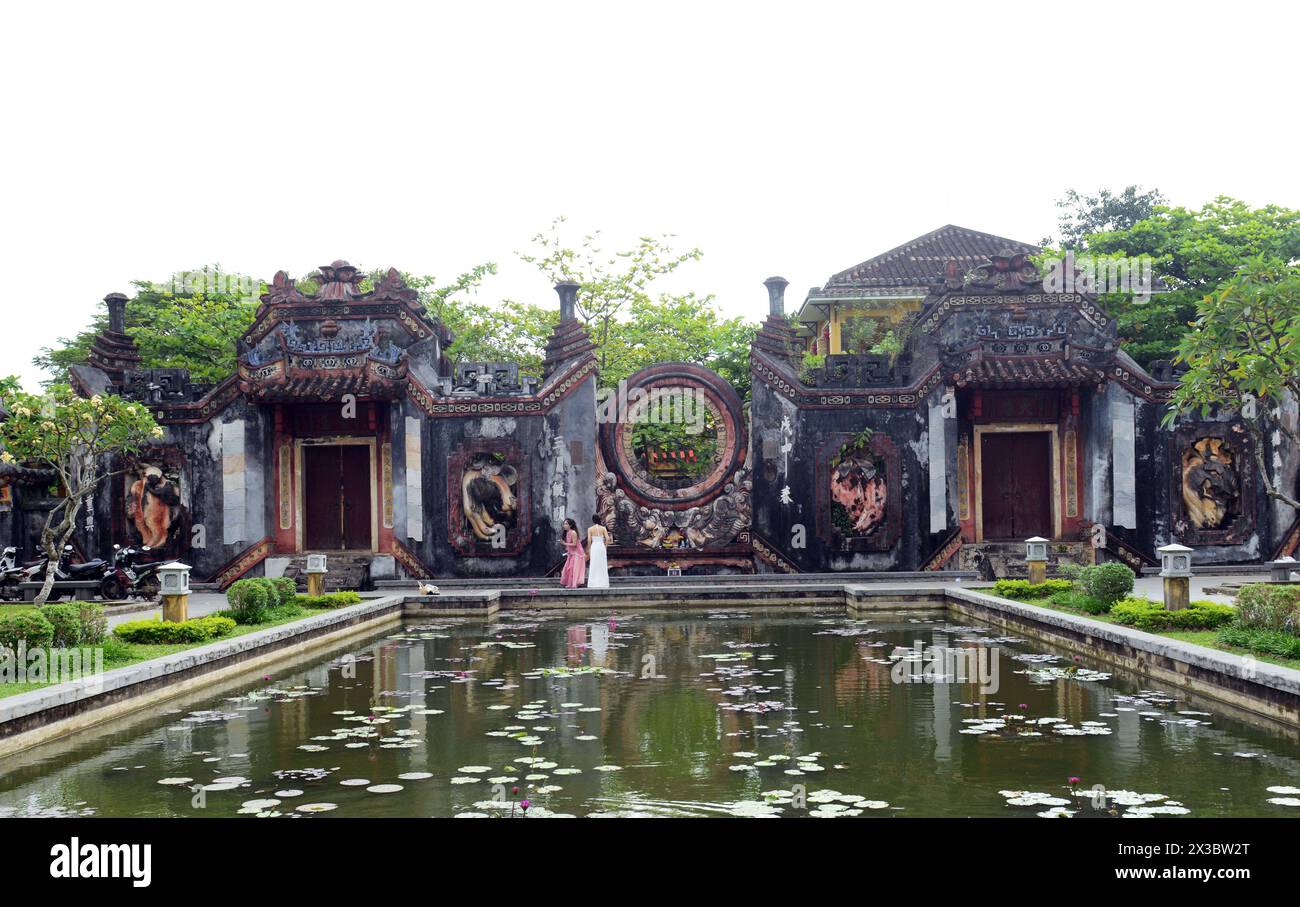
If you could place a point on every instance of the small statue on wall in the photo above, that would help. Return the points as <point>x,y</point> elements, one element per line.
<point>1211,488</point>
<point>488,497</point>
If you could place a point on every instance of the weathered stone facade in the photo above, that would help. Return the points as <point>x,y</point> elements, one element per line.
<point>1003,411</point>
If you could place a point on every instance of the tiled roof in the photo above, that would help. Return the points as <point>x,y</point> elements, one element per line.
<point>920,262</point>
<point>1026,372</point>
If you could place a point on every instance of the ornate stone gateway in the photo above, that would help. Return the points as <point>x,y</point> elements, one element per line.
<point>674,488</point>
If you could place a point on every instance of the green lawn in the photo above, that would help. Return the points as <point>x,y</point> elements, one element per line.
<point>1207,638</point>
<point>119,654</point>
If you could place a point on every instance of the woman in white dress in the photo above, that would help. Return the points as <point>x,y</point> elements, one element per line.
<point>598,572</point>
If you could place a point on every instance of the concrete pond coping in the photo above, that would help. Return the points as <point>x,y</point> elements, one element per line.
<point>1250,685</point>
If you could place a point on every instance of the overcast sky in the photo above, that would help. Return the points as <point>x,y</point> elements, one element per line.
<point>786,138</point>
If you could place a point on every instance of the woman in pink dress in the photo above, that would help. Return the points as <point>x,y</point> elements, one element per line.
<point>575,565</point>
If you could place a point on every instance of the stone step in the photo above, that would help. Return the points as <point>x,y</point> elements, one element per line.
<point>344,571</point>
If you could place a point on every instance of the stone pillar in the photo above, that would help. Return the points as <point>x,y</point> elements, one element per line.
<point>568,293</point>
<point>776,295</point>
<point>175,608</point>
<point>1176,571</point>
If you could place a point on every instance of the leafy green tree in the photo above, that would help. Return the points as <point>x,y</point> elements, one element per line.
<point>192,321</point>
<point>80,438</point>
<point>676,328</point>
<point>1243,353</point>
<point>608,283</point>
<point>1194,251</point>
<point>1083,215</point>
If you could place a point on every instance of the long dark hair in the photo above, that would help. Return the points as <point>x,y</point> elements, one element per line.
<point>564,528</point>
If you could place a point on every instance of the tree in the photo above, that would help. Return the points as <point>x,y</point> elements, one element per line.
<point>81,439</point>
<point>1083,215</point>
<point>676,328</point>
<point>1193,253</point>
<point>607,284</point>
<point>191,322</point>
<point>1243,353</point>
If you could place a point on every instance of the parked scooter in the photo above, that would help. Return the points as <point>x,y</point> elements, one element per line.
<point>11,574</point>
<point>142,575</point>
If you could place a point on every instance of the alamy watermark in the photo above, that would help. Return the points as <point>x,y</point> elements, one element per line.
<point>211,283</point>
<point>39,665</point>
<point>658,405</point>
<point>1086,274</point>
<point>946,664</point>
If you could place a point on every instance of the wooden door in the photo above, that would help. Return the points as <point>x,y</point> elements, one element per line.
<point>1016,485</point>
<point>336,498</point>
<point>354,483</point>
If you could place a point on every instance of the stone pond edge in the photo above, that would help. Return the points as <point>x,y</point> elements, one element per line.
<point>31,718</point>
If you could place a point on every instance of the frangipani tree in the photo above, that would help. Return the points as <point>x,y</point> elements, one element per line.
<point>81,438</point>
<point>1243,353</point>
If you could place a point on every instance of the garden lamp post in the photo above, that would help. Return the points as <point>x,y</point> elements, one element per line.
<point>315,574</point>
<point>1036,559</point>
<point>174,583</point>
<point>1176,570</point>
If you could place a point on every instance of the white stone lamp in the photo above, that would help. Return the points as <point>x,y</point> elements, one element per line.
<point>174,578</point>
<point>1175,560</point>
<point>1036,559</point>
<point>316,563</point>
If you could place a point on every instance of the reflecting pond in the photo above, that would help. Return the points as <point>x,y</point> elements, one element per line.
<point>794,714</point>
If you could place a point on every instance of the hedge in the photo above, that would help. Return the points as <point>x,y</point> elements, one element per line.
<point>328,600</point>
<point>198,629</point>
<point>1149,615</point>
<point>1023,588</point>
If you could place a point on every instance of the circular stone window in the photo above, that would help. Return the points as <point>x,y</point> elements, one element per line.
<point>676,436</point>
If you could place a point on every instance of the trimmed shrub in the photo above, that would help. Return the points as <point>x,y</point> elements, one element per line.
<point>1152,616</point>
<point>328,600</point>
<point>159,632</point>
<point>1268,642</point>
<point>1262,606</point>
<point>94,623</point>
<point>286,589</point>
<point>66,621</point>
<point>251,599</point>
<point>30,627</point>
<point>1023,588</point>
<point>1107,583</point>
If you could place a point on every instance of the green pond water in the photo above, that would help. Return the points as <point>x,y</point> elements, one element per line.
<point>651,714</point>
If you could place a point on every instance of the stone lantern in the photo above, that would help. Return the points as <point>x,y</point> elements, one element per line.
<point>316,574</point>
<point>1176,570</point>
<point>174,583</point>
<point>1036,559</point>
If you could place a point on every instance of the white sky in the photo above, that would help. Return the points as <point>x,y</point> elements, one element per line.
<point>786,138</point>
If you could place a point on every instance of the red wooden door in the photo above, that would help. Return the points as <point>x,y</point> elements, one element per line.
<point>354,481</point>
<point>1016,484</point>
<point>336,492</point>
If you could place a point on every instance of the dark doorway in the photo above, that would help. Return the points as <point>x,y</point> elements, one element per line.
<point>336,498</point>
<point>1016,487</point>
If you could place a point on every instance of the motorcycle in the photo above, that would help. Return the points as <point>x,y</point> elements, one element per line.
<point>11,574</point>
<point>142,576</point>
